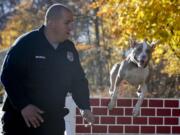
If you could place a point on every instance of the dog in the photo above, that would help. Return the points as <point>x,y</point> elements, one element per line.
<point>134,69</point>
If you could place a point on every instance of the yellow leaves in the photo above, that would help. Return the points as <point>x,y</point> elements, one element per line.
<point>153,19</point>
<point>172,66</point>
<point>105,11</point>
<point>163,34</point>
<point>158,53</point>
<point>113,29</point>
<point>83,47</point>
<point>24,5</point>
<point>140,15</point>
<point>13,33</point>
<point>154,25</point>
<point>94,5</point>
<point>21,22</point>
<point>174,43</point>
<point>157,61</point>
<point>164,53</point>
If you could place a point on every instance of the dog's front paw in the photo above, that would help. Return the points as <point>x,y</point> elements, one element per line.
<point>135,112</point>
<point>111,105</point>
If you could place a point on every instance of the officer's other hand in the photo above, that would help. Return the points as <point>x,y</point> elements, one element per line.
<point>32,116</point>
<point>88,116</point>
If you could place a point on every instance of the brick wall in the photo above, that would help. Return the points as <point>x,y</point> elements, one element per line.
<point>157,116</point>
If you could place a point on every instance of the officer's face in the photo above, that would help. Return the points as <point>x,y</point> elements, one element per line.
<point>63,26</point>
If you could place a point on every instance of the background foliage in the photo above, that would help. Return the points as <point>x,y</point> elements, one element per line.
<point>102,30</point>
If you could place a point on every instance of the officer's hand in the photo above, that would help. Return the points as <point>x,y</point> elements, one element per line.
<point>32,115</point>
<point>88,116</point>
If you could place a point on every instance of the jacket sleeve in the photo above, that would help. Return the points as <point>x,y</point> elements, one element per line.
<point>13,72</point>
<point>79,88</point>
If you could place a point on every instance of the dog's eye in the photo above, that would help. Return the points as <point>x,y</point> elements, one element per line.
<point>139,49</point>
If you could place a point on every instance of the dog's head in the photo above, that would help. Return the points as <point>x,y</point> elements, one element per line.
<point>141,52</point>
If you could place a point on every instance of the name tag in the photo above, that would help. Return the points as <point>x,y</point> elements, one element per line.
<point>40,57</point>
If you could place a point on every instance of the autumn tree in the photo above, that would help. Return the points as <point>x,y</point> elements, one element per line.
<point>102,29</point>
<point>154,20</point>
<point>151,19</point>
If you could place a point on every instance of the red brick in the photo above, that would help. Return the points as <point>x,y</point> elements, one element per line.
<point>131,129</point>
<point>77,111</point>
<point>171,121</point>
<point>155,121</point>
<point>83,129</point>
<point>100,111</point>
<point>97,120</point>
<point>115,129</point>
<point>99,129</point>
<point>147,129</point>
<point>85,122</point>
<point>144,104</point>
<point>171,103</point>
<point>155,103</point>
<point>79,120</point>
<point>128,111</point>
<point>116,111</point>
<point>105,102</point>
<point>124,120</point>
<point>176,129</point>
<point>176,112</point>
<point>94,102</point>
<point>163,129</point>
<point>124,102</point>
<point>107,120</point>
<point>147,112</point>
<point>139,120</point>
<point>163,112</point>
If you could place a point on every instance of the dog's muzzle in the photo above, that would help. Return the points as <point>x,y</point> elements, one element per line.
<point>143,61</point>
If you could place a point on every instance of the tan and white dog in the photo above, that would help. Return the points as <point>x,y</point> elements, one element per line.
<point>134,69</point>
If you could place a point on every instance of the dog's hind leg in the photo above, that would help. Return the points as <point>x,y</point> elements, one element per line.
<point>115,93</point>
<point>113,74</point>
<point>142,89</point>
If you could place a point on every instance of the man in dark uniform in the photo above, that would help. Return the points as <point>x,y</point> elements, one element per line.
<point>39,70</point>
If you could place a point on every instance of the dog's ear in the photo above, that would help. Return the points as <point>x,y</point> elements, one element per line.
<point>153,44</point>
<point>145,40</point>
<point>132,43</point>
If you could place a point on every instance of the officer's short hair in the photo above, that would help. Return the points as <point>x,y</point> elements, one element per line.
<point>55,11</point>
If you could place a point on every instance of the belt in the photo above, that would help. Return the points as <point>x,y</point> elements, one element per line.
<point>62,112</point>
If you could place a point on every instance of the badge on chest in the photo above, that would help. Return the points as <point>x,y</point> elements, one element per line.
<point>70,56</point>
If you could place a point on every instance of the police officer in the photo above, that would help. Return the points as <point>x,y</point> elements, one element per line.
<point>39,70</point>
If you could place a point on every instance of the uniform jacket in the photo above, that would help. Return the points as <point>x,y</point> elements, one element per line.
<point>36,73</point>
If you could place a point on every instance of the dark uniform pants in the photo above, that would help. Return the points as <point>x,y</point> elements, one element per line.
<point>14,124</point>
